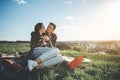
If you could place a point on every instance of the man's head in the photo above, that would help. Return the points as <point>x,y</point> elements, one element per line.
<point>51,27</point>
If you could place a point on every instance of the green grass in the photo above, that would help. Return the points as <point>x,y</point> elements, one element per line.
<point>102,67</point>
<point>13,47</point>
<point>86,71</point>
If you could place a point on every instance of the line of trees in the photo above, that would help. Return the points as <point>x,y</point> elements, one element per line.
<point>14,41</point>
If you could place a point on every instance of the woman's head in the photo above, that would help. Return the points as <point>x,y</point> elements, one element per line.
<point>39,27</point>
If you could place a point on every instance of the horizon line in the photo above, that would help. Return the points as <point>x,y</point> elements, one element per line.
<point>57,41</point>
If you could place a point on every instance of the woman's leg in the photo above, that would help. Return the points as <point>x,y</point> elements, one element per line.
<point>49,53</point>
<point>38,51</point>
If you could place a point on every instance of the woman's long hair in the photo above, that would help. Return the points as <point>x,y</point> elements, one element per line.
<point>37,27</point>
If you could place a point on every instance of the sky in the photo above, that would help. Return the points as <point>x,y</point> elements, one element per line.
<point>75,19</point>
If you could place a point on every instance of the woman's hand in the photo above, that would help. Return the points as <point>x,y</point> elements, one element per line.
<point>45,38</point>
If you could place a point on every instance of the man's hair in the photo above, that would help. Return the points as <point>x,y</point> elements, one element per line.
<point>53,25</point>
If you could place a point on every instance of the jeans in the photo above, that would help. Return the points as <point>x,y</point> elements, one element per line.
<point>48,56</point>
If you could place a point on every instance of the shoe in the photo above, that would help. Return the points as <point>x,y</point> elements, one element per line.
<point>75,63</point>
<point>31,65</point>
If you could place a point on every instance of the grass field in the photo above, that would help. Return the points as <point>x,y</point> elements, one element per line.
<point>102,67</point>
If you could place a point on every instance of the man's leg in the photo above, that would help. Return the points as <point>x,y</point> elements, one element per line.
<point>53,61</point>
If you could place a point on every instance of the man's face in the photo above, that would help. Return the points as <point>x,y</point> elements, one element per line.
<point>50,28</point>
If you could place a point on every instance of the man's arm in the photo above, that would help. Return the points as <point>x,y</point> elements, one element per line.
<point>53,39</point>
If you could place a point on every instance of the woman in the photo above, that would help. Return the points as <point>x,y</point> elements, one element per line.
<point>44,55</point>
<point>36,35</point>
<point>36,38</point>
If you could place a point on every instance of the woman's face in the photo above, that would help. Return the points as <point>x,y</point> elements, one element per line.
<point>50,28</point>
<point>42,30</point>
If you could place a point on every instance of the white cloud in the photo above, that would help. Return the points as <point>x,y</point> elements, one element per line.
<point>75,18</point>
<point>70,18</point>
<point>68,2</point>
<point>20,1</point>
<point>83,0</point>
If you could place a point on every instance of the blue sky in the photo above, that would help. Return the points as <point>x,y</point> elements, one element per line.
<point>75,19</point>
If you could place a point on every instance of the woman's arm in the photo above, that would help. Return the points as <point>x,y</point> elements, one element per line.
<point>35,41</point>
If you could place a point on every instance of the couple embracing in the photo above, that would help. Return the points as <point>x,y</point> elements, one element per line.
<point>43,48</point>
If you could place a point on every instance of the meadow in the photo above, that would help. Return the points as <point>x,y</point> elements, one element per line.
<point>103,66</point>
